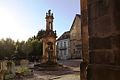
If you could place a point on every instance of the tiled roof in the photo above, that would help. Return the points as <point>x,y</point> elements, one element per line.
<point>65,35</point>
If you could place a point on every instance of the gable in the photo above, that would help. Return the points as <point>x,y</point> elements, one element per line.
<point>75,22</point>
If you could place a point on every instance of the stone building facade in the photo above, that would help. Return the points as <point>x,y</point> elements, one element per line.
<point>104,39</point>
<point>75,38</point>
<point>63,46</point>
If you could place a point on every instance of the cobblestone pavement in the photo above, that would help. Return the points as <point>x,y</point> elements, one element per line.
<point>71,73</point>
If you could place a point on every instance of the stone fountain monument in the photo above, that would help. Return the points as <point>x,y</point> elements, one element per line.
<point>49,57</point>
<point>49,41</point>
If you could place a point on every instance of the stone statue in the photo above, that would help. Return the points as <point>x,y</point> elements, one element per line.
<point>50,50</point>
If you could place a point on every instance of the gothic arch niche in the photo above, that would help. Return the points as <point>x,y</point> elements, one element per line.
<point>50,51</point>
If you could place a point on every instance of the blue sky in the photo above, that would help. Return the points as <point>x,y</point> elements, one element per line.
<point>21,19</point>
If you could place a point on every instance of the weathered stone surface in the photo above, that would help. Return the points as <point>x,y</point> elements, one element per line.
<point>49,41</point>
<point>97,43</point>
<point>104,39</point>
<point>75,38</point>
<point>85,42</point>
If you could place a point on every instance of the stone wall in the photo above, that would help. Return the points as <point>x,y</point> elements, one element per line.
<point>75,38</point>
<point>85,42</point>
<point>104,39</point>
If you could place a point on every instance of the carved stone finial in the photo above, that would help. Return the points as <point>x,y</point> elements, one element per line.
<point>49,12</point>
<point>46,14</point>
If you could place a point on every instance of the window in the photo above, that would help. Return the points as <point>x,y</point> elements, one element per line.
<point>58,44</point>
<point>64,44</point>
<point>65,52</point>
<point>61,44</point>
<point>73,51</point>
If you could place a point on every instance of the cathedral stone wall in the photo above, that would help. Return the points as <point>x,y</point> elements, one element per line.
<point>104,39</point>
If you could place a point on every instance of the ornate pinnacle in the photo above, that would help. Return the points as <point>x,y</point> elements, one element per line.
<point>49,12</point>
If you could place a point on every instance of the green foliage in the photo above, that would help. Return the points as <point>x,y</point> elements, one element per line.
<point>37,45</point>
<point>27,48</point>
<point>7,48</point>
<point>20,54</point>
<point>23,70</point>
<point>9,76</point>
<point>36,49</point>
<point>40,34</point>
<point>33,47</point>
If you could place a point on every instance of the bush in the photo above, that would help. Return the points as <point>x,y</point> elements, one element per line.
<point>23,70</point>
<point>9,76</point>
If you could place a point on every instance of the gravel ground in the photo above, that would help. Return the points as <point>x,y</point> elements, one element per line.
<point>71,71</point>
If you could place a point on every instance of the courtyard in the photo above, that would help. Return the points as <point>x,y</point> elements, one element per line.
<point>71,73</point>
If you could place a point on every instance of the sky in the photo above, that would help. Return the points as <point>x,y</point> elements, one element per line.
<point>21,19</point>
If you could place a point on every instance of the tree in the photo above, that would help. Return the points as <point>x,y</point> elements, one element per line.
<point>40,34</point>
<point>37,45</point>
<point>19,50</point>
<point>36,49</point>
<point>27,48</point>
<point>7,48</point>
